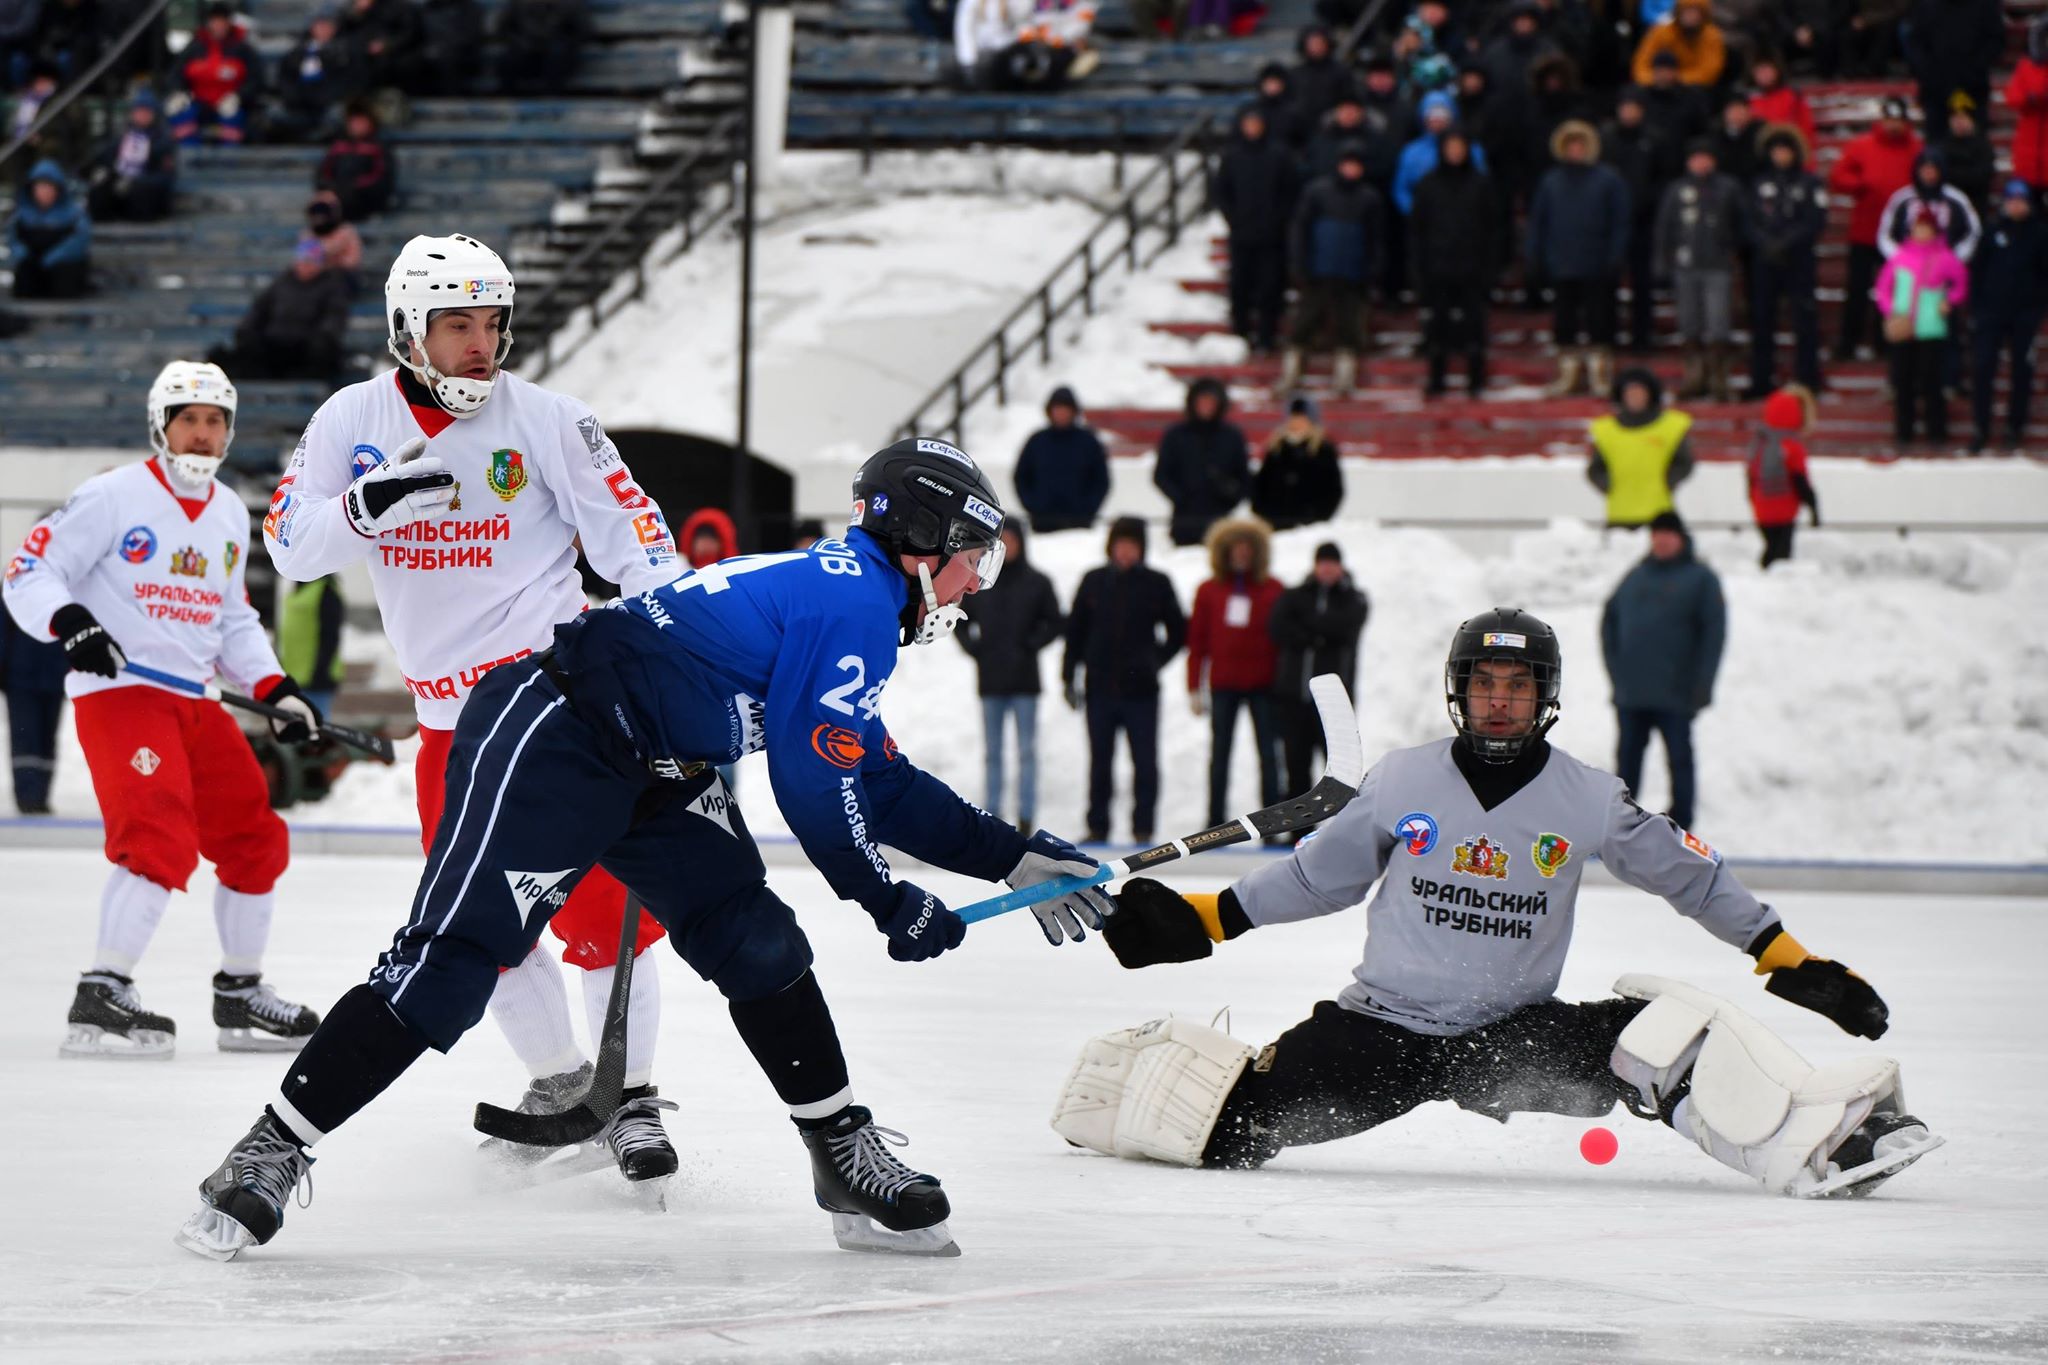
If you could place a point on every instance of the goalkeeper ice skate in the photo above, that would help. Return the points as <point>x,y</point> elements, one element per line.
<point>242,1203</point>
<point>1883,1145</point>
<point>252,1018</point>
<point>860,1183</point>
<point>107,1020</point>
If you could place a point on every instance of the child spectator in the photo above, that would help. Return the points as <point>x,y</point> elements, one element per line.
<point>2026,94</point>
<point>221,74</point>
<point>2010,286</point>
<point>359,169</point>
<point>136,174</point>
<point>1299,481</point>
<point>1062,474</point>
<point>1778,482</point>
<point>1871,169</point>
<point>1918,288</point>
<point>1232,659</point>
<point>50,238</point>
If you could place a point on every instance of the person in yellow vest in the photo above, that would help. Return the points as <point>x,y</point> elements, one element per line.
<point>309,636</point>
<point>1641,452</point>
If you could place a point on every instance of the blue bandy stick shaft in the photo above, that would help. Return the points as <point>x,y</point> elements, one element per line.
<point>1041,892</point>
<point>197,689</point>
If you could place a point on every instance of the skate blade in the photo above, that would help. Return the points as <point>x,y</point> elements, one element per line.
<point>254,1040</point>
<point>144,1044</point>
<point>649,1196</point>
<point>214,1235</point>
<point>1863,1180</point>
<point>552,1163</point>
<point>857,1232</point>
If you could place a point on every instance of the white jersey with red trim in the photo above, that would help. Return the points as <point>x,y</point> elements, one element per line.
<point>160,573</point>
<point>488,580</point>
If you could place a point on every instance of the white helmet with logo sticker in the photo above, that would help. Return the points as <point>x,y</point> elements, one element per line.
<point>436,273</point>
<point>181,384</point>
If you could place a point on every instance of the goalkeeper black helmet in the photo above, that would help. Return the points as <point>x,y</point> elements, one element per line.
<point>1513,636</point>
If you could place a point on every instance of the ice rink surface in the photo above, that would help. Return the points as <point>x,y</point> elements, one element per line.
<point>1440,1237</point>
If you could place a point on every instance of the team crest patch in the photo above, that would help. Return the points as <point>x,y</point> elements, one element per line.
<point>840,748</point>
<point>363,459</point>
<point>593,435</point>
<point>189,562</point>
<point>232,556</point>
<point>507,474</point>
<point>1416,829</point>
<point>1550,852</point>
<point>138,545</point>
<point>145,761</point>
<point>1698,846</point>
<point>1481,858</point>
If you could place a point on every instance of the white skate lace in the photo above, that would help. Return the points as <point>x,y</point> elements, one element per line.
<point>276,1169</point>
<point>125,994</point>
<point>870,1166</point>
<point>637,1126</point>
<point>264,1004</point>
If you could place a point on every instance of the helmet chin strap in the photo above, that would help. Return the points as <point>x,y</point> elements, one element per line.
<point>192,473</point>
<point>461,397</point>
<point>938,622</point>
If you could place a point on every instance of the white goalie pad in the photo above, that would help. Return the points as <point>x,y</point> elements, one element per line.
<point>1152,1091</point>
<point>1756,1105</point>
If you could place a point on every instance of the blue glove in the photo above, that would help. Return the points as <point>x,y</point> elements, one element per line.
<point>919,925</point>
<point>1046,857</point>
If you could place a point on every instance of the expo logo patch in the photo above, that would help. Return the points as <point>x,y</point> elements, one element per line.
<point>138,545</point>
<point>841,748</point>
<point>1418,830</point>
<point>1503,639</point>
<point>363,459</point>
<point>1699,847</point>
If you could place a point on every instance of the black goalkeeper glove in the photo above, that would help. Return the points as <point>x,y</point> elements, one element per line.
<point>1824,986</point>
<point>1155,924</point>
<point>87,646</point>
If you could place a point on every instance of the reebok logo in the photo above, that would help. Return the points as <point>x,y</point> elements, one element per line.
<point>542,891</point>
<point>924,917</point>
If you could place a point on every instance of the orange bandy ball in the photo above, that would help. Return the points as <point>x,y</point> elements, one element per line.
<point>1599,1146</point>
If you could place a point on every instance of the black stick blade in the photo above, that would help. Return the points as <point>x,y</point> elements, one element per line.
<point>570,1126</point>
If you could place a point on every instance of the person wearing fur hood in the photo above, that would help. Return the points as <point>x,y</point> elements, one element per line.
<point>1299,481</point>
<point>1232,660</point>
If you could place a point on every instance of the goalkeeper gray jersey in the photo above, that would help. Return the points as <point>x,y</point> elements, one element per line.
<point>1474,913</point>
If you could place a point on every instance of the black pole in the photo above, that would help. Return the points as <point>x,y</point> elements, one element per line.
<point>742,479</point>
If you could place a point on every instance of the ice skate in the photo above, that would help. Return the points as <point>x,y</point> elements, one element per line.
<point>107,1020</point>
<point>1885,1144</point>
<point>252,1018</point>
<point>544,1095</point>
<point>635,1137</point>
<point>243,1202</point>
<point>860,1183</point>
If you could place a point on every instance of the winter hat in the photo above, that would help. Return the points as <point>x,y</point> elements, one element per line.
<point>1639,374</point>
<point>1328,550</point>
<point>1063,397</point>
<point>1894,108</point>
<point>1789,409</point>
<point>1668,521</point>
<point>1699,146</point>
<point>1128,528</point>
<point>1305,406</point>
<point>1439,102</point>
<point>2017,188</point>
<point>1271,70</point>
<point>145,98</point>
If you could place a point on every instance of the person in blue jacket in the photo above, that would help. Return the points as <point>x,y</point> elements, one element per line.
<point>1062,474</point>
<point>604,748</point>
<point>49,239</point>
<point>1419,157</point>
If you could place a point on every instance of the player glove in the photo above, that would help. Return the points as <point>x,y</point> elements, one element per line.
<point>919,925</point>
<point>1824,986</point>
<point>87,646</point>
<point>304,724</point>
<point>1046,857</point>
<point>410,486</point>
<point>1155,924</point>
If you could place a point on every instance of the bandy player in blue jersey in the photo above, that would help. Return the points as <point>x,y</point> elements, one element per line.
<point>604,749</point>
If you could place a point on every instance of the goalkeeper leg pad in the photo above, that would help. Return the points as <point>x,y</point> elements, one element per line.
<point>1153,1091</point>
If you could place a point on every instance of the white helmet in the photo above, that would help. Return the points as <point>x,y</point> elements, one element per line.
<point>181,383</point>
<point>433,273</point>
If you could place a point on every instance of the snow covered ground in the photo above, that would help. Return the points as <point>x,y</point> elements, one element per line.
<point>1440,1237</point>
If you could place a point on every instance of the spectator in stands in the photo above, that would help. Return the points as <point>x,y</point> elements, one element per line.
<point>1426,49</point>
<point>1921,284</point>
<point>1126,625</point>
<point>1318,79</point>
<point>66,139</point>
<point>1275,99</point>
<point>309,620</point>
<point>1811,34</point>
<point>221,76</point>
<point>135,176</point>
<point>1967,155</point>
<point>18,20</point>
<point>451,36</point>
<point>1355,122</point>
<point>1701,227</point>
<point>1255,187</point>
<point>1509,56</point>
<point>708,535</point>
<point>341,246</point>
<point>32,676</point>
<point>540,45</point>
<point>294,329</point>
<point>1578,239</point>
<point>384,39</point>
<point>1339,232</point>
<point>1005,629</point>
<point>1419,157</point>
<point>1690,34</point>
<point>1641,451</point>
<point>1646,164</point>
<point>1204,468</point>
<point>1773,100</point>
<point>1734,140</point>
<point>1676,110</point>
<point>1232,659</point>
<point>1316,624</point>
<point>1556,97</point>
<point>1299,481</point>
<point>1788,211</point>
<point>1950,46</point>
<point>1062,475</point>
<point>68,36</point>
<point>359,169</point>
<point>1459,232</point>
<point>1778,482</point>
<point>1930,189</point>
<point>2010,285</point>
<point>1490,125</point>
<point>1019,45</point>
<point>316,76</point>
<point>1871,169</point>
<point>1871,42</point>
<point>50,238</point>
<point>2026,94</point>
<point>1661,635</point>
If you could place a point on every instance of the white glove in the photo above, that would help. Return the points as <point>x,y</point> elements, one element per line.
<point>1046,857</point>
<point>410,486</point>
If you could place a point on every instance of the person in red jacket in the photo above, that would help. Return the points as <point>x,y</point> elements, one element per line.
<point>708,536</point>
<point>1232,660</point>
<point>1778,484</point>
<point>221,75</point>
<point>1872,168</point>
<point>2026,94</point>
<point>1773,101</point>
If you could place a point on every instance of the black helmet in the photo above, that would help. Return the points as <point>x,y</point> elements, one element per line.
<point>925,497</point>
<point>1514,635</point>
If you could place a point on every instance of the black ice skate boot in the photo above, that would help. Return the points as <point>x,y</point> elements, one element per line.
<point>860,1182</point>
<point>107,1020</point>
<point>1880,1147</point>
<point>252,1018</point>
<point>636,1138</point>
<point>242,1203</point>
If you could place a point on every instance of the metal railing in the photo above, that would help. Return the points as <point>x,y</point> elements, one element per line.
<point>678,196</point>
<point>143,24</point>
<point>1163,203</point>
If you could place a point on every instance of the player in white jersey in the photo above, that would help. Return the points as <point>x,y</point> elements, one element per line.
<point>145,562</point>
<point>467,490</point>
<point>1477,844</point>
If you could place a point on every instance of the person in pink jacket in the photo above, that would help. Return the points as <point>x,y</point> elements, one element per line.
<point>1918,289</point>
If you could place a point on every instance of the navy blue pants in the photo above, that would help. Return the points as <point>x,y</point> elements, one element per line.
<point>32,721</point>
<point>535,797</point>
<point>1635,725</point>
<point>1138,718</point>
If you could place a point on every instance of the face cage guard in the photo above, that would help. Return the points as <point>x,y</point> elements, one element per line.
<point>1501,748</point>
<point>401,341</point>
<point>193,472</point>
<point>964,535</point>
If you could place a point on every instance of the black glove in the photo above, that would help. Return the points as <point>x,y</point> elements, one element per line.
<point>87,646</point>
<point>919,925</point>
<point>1827,987</point>
<point>1155,924</point>
<point>306,717</point>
